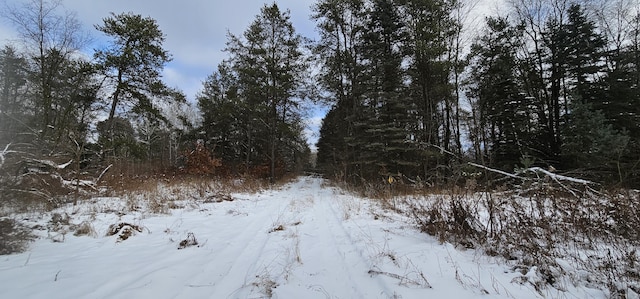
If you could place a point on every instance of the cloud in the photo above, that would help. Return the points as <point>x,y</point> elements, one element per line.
<point>189,82</point>
<point>312,130</point>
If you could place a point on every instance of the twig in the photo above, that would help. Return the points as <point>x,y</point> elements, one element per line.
<point>27,261</point>
<point>402,279</point>
<point>56,278</point>
<point>3,153</point>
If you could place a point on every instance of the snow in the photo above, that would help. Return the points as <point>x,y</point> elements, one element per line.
<point>51,164</point>
<point>304,240</point>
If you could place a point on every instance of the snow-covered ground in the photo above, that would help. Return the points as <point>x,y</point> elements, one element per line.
<point>304,240</point>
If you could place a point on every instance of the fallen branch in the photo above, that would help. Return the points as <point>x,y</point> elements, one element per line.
<point>402,279</point>
<point>103,172</point>
<point>556,177</point>
<point>553,176</point>
<point>4,153</point>
<point>498,171</point>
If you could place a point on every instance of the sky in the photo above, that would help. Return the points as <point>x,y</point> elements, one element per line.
<point>195,30</point>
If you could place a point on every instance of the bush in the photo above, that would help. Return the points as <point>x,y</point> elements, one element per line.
<point>199,160</point>
<point>14,238</point>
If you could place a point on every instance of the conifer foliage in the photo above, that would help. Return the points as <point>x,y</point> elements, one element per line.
<point>251,106</point>
<point>542,87</point>
<point>388,84</point>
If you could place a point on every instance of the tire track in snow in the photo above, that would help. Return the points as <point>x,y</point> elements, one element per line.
<point>244,260</point>
<point>231,265</point>
<point>333,264</point>
<point>223,267</point>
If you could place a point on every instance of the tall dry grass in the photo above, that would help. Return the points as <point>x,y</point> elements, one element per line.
<point>542,227</point>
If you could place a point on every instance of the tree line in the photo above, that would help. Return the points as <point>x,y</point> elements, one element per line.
<point>413,92</point>
<point>65,115</point>
<point>551,83</point>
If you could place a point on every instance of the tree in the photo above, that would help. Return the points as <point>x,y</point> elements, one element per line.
<point>13,81</point>
<point>430,26</point>
<point>592,146</point>
<point>616,94</point>
<point>49,37</point>
<point>385,67</point>
<point>118,136</point>
<point>132,64</point>
<point>584,52</point>
<point>340,53</point>
<point>507,127</point>
<point>225,118</point>
<point>385,142</point>
<point>270,66</point>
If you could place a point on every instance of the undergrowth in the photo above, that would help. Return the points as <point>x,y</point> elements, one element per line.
<point>553,234</point>
<point>583,238</point>
<point>14,237</point>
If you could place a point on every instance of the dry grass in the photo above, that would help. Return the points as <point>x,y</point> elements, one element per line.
<point>159,195</point>
<point>543,229</point>
<point>188,242</point>
<point>123,230</point>
<point>85,229</point>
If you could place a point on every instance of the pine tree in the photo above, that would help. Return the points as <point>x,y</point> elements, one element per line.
<point>341,25</point>
<point>50,37</point>
<point>616,96</point>
<point>386,145</point>
<point>224,118</point>
<point>384,65</point>
<point>591,146</point>
<point>584,52</point>
<point>504,114</point>
<point>270,67</point>
<point>14,108</point>
<point>429,27</point>
<point>132,64</point>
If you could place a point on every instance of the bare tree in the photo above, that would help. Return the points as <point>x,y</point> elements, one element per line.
<point>616,20</point>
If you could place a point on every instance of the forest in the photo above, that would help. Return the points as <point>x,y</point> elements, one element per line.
<point>416,94</point>
<point>460,153</point>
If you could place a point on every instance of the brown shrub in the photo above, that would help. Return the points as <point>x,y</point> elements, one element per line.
<point>14,237</point>
<point>200,160</point>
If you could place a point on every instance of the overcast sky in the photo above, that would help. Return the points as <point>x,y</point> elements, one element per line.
<point>195,30</point>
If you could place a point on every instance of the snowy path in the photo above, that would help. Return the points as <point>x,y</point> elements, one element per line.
<point>303,241</point>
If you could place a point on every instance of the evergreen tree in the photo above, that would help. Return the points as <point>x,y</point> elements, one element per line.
<point>133,63</point>
<point>617,98</point>
<point>584,53</point>
<point>385,140</point>
<point>389,76</point>
<point>225,118</point>
<point>503,109</point>
<point>50,36</point>
<point>429,27</point>
<point>73,92</point>
<point>340,50</point>
<point>591,146</point>
<point>118,135</point>
<point>270,67</point>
